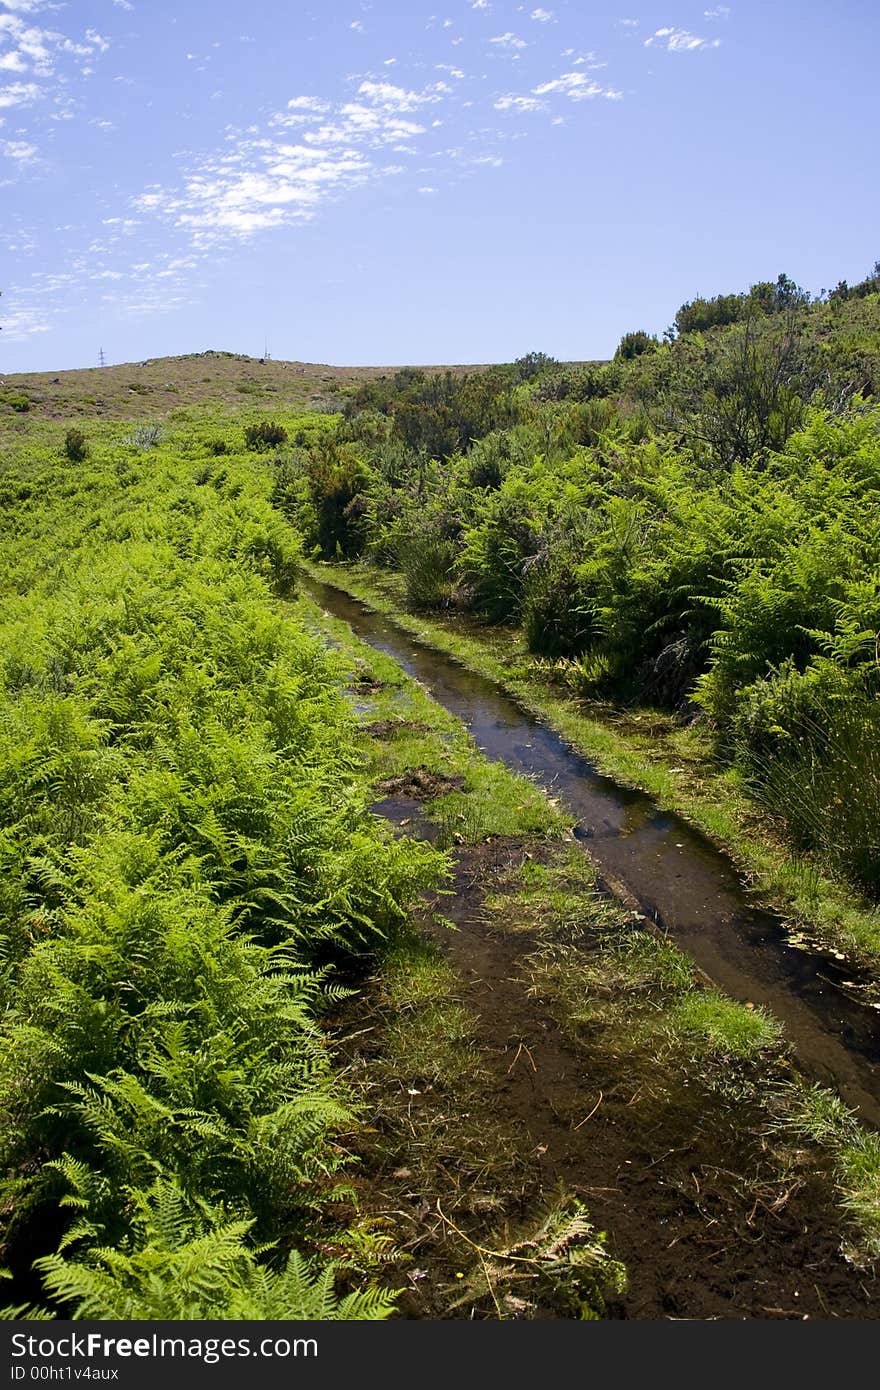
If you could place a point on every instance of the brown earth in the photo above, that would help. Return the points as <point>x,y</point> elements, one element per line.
<point>153,388</point>
<point>387,728</point>
<point>710,1220</point>
<point>418,784</point>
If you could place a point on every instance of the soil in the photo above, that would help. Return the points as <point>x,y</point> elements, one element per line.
<point>388,728</point>
<point>418,784</point>
<point>694,1200</point>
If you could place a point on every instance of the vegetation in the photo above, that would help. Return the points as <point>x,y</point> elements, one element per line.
<point>187,854</point>
<point>693,527</point>
<point>76,447</point>
<point>267,434</point>
<point>191,875</point>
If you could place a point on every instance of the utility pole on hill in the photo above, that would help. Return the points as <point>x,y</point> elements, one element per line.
<point>101,361</point>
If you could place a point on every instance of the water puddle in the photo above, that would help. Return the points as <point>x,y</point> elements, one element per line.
<point>689,888</point>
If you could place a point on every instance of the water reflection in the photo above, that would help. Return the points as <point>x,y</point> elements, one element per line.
<point>679,879</point>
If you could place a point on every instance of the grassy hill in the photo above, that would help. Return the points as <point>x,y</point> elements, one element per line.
<point>160,385</point>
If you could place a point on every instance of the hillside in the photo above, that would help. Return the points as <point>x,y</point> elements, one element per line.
<point>160,385</point>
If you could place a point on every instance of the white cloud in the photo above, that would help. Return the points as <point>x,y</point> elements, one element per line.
<point>578,86</point>
<point>123,4</point>
<point>357,26</point>
<point>719,12</point>
<point>307,104</point>
<point>266,180</point>
<point>508,40</point>
<point>19,150</point>
<point>542,16</point>
<point>43,57</point>
<point>19,94</point>
<point>387,97</point>
<point>20,324</point>
<point>427,189</point>
<point>514,103</point>
<point>480,5</point>
<point>680,41</point>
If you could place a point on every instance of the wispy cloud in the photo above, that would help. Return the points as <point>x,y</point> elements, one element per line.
<point>680,41</point>
<point>24,321</point>
<point>302,155</point>
<point>19,150</point>
<point>576,86</point>
<point>386,97</point>
<point>29,6</point>
<point>266,179</point>
<point>516,103</point>
<point>19,94</point>
<point>42,63</point>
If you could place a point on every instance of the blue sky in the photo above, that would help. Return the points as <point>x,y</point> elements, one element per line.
<point>419,180</point>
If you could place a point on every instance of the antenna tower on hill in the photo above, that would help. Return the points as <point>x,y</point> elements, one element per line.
<point>101,360</point>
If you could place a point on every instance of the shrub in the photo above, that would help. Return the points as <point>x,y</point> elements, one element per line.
<point>75,446</point>
<point>265,435</point>
<point>145,436</point>
<point>427,562</point>
<point>634,344</point>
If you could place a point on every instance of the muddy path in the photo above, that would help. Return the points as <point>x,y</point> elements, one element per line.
<point>697,1202</point>
<point>680,881</point>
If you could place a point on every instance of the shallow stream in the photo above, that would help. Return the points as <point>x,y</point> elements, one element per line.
<point>689,888</point>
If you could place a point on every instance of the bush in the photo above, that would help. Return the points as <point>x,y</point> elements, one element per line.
<point>265,435</point>
<point>145,436</point>
<point>75,446</point>
<point>634,344</point>
<point>427,562</point>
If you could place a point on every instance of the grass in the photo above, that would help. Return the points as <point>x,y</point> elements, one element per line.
<point>605,978</point>
<point>821,1118</point>
<point>423,1085</point>
<point>422,1077</point>
<point>490,801</point>
<point>632,986</point>
<point>205,382</point>
<point>652,752</point>
<point>710,1025</point>
<point>601,969</point>
<point>417,1070</point>
<point>429,1035</point>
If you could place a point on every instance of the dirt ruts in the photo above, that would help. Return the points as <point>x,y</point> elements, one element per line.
<point>696,1203</point>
